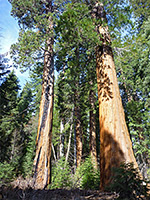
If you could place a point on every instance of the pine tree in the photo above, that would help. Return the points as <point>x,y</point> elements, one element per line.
<point>8,102</point>
<point>9,153</point>
<point>24,103</point>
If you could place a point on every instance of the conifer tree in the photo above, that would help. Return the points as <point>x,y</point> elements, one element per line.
<point>115,143</point>
<point>36,43</point>
<point>8,103</point>
<point>77,59</point>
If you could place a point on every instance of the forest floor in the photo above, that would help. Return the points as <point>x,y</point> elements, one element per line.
<point>57,194</point>
<point>9,193</point>
<point>22,190</point>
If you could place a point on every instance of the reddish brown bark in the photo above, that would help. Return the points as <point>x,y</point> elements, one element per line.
<point>93,151</point>
<point>115,143</point>
<point>44,135</point>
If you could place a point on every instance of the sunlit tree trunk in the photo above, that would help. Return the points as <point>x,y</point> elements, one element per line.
<point>115,143</point>
<point>61,138</point>
<point>93,151</point>
<point>54,153</point>
<point>44,135</point>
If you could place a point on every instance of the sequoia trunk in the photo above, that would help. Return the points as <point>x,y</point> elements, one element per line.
<point>44,135</point>
<point>115,143</point>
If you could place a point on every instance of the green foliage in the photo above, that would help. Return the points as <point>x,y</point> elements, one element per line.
<point>29,149</point>
<point>141,10</point>
<point>127,182</point>
<point>86,176</point>
<point>133,67</point>
<point>33,18</point>
<point>8,110</point>
<point>15,114</point>
<point>6,173</point>
<point>61,175</point>
<point>27,51</point>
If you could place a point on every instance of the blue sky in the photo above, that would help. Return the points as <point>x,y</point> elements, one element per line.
<point>9,34</point>
<point>8,25</point>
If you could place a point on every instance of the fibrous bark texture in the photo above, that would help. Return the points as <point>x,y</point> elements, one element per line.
<point>44,135</point>
<point>115,143</point>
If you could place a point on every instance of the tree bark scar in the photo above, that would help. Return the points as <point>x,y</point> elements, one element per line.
<point>44,135</point>
<point>37,162</point>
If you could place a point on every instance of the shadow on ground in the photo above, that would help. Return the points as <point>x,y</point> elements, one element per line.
<point>57,194</point>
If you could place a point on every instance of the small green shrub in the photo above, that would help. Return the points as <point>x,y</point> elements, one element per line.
<point>127,183</point>
<point>6,173</point>
<point>61,175</point>
<point>86,176</point>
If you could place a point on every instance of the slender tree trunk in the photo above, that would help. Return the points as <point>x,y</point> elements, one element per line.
<point>61,138</point>
<point>14,141</point>
<point>44,135</point>
<point>54,154</point>
<point>75,150</point>
<point>77,110</point>
<point>93,151</point>
<point>78,130</point>
<point>69,142</point>
<point>115,143</point>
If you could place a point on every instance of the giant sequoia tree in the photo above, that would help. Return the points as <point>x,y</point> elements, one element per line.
<point>43,142</point>
<point>35,44</point>
<point>115,143</point>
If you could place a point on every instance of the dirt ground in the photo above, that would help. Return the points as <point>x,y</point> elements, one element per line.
<point>22,189</point>
<point>57,194</point>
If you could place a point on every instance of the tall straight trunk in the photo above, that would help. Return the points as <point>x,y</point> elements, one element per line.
<point>115,143</point>
<point>78,130</point>
<point>77,110</point>
<point>61,138</point>
<point>69,142</point>
<point>44,135</point>
<point>93,151</point>
<point>75,150</point>
<point>54,153</point>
